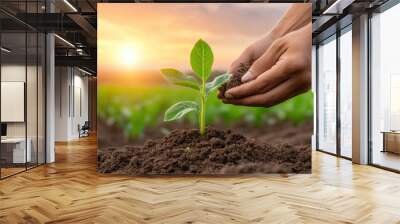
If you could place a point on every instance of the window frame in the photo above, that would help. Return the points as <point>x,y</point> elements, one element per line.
<point>333,37</point>
<point>378,10</point>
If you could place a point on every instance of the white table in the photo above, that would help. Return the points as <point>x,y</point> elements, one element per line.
<point>19,155</point>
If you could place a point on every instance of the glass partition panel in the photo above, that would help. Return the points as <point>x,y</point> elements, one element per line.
<point>385,89</point>
<point>22,77</point>
<point>346,93</point>
<point>327,95</point>
<point>15,151</point>
<point>31,98</point>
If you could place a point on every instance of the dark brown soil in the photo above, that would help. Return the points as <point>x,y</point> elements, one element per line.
<point>216,152</point>
<point>235,80</point>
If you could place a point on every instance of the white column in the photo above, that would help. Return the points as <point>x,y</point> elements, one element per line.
<point>314,90</point>
<point>360,90</point>
<point>50,98</point>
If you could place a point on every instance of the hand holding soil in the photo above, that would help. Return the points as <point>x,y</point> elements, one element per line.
<point>276,67</point>
<point>282,72</point>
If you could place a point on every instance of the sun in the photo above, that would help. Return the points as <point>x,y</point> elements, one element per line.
<point>128,56</point>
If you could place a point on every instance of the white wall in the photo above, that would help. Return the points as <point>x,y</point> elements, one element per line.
<point>71,87</point>
<point>62,81</point>
<point>80,94</point>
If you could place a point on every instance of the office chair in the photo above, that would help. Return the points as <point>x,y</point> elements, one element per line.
<point>84,130</point>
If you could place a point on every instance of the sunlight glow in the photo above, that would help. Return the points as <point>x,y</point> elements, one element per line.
<point>128,56</point>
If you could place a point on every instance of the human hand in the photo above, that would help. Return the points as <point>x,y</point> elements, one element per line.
<point>297,16</point>
<point>281,72</point>
<point>254,51</point>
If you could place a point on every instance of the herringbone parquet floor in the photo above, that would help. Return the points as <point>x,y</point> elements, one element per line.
<point>70,191</point>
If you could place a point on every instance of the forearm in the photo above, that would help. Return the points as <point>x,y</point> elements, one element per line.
<point>295,18</point>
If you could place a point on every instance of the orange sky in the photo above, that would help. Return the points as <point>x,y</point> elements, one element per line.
<point>148,36</point>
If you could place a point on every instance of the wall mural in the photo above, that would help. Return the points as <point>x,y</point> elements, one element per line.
<point>204,88</point>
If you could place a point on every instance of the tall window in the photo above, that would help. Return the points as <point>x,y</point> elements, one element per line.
<point>346,92</point>
<point>327,95</point>
<point>385,89</point>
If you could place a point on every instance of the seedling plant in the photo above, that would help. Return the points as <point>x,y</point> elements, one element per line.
<point>201,61</point>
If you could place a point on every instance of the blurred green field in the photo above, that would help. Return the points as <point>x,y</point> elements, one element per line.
<point>135,108</point>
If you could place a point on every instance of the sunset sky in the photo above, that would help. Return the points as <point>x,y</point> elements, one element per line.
<point>146,37</point>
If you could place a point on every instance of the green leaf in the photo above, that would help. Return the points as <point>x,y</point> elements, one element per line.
<point>201,59</point>
<point>217,82</point>
<point>178,78</point>
<point>179,109</point>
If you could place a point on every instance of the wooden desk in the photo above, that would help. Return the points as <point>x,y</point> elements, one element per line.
<point>391,141</point>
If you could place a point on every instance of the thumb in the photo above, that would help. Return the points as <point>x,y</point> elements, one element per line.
<point>244,58</point>
<point>265,62</point>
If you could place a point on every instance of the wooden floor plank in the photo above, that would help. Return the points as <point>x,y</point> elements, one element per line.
<point>71,191</point>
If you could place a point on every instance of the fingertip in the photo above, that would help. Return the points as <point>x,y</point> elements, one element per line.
<point>228,94</point>
<point>247,76</point>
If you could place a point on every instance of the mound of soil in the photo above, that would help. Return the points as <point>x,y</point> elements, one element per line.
<point>235,80</point>
<point>216,152</point>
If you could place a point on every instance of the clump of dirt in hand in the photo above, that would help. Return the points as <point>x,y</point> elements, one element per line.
<point>235,80</point>
<point>215,152</point>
